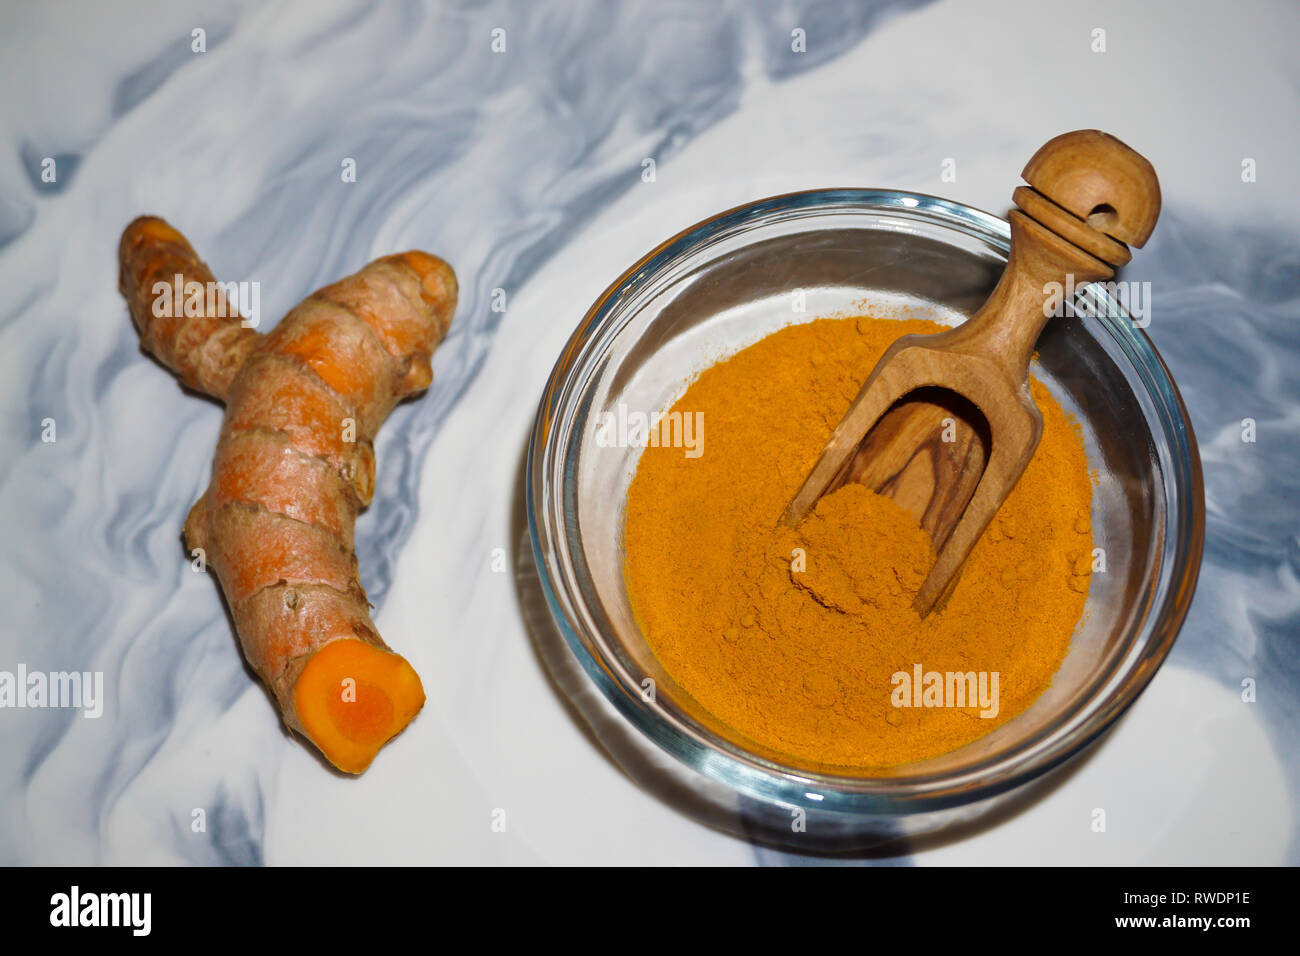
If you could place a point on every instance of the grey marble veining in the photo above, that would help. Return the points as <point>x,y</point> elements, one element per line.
<point>524,168</point>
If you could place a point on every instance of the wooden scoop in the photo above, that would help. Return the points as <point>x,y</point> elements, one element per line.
<point>945,423</point>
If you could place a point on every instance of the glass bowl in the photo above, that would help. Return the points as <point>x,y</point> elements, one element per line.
<point>728,281</point>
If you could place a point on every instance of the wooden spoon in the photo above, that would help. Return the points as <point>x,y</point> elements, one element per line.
<point>945,423</point>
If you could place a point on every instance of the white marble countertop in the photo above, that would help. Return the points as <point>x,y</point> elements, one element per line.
<point>524,169</point>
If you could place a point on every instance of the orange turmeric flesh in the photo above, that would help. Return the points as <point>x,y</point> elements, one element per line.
<point>794,637</point>
<point>352,698</point>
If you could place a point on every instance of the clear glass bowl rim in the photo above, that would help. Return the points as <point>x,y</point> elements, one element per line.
<point>885,796</point>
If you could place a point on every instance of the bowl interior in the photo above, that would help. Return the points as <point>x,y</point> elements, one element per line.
<point>702,299</point>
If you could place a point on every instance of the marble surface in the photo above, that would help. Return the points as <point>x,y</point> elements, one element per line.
<point>524,168</point>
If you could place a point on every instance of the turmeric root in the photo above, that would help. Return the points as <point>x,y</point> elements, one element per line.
<point>293,466</point>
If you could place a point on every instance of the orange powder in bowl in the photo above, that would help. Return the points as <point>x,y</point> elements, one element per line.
<point>798,638</point>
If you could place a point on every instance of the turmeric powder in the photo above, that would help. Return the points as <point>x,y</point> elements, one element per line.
<point>798,638</point>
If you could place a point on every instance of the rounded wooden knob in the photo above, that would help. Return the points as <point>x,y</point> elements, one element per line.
<point>1103,182</point>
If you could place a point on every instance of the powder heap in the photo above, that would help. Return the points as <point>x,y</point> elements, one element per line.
<point>793,636</point>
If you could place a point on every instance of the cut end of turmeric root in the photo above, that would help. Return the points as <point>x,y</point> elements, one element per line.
<point>352,698</point>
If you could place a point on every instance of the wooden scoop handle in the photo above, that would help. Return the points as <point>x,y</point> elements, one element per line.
<point>1088,195</point>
